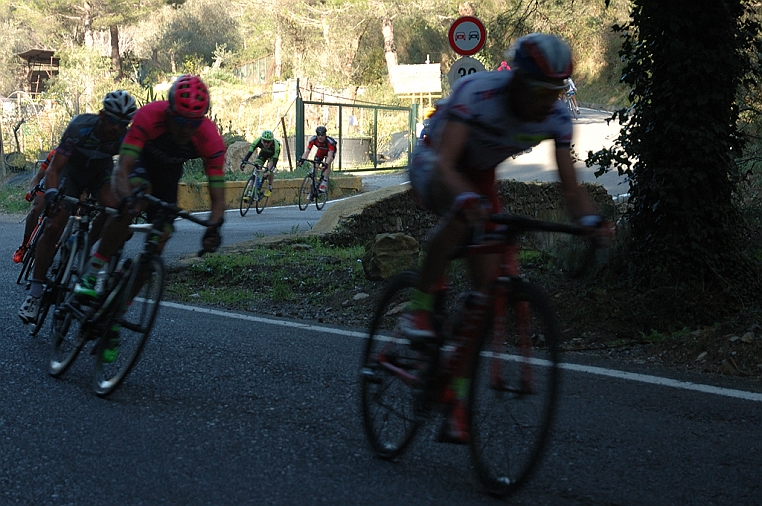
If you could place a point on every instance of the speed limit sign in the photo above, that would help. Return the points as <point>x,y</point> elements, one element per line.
<point>462,67</point>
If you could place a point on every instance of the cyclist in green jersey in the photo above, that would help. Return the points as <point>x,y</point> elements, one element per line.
<point>269,151</point>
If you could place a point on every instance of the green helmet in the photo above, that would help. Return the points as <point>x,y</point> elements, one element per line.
<point>267,135</point>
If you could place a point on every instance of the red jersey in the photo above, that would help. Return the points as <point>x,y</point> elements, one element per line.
<point>150,141</point>
<point>328,145</point>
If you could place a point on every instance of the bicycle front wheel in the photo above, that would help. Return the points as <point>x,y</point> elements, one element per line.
<point>321,198</point>
<point>261,201</point>
<point>513,391</point>
<point>70,331</point>
<point>305,193</point>
<point>134,318</point>
<point>389,387</point>
<point>247,196</point>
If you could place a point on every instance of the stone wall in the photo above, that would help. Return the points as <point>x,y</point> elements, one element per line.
<point>395,210</point>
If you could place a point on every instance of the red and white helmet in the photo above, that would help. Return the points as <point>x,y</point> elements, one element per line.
<point>189,97</point>
<point>542,56</point>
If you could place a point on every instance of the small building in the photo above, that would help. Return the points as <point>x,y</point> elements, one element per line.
<point>41,64</point>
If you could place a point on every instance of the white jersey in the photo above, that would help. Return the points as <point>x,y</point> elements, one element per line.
<point>480,101</point>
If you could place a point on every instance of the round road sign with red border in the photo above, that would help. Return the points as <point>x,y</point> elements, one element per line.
<point>467,35</point>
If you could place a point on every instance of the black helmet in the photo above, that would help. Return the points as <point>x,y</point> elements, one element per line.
<point>321,130</point>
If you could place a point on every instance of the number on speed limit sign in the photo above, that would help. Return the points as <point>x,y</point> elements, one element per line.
<point>463,67</point>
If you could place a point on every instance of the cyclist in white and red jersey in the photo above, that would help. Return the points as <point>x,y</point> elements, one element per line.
<point>164,135</point>
<point>326,151</point>
<point>488,117</point>
<point>83,160</point>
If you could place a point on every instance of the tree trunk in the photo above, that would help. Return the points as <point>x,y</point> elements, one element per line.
<point>116,59</point>
<point>390,50</point>
<point>278,55</point>
<point>87,24</point>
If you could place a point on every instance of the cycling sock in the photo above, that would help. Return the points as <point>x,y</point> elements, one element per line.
<point>460,387</point>
<point>421,300</point>
<point>36,288</point>
<point>96,262</point>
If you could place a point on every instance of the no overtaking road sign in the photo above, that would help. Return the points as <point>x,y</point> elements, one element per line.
<point>467,35</point>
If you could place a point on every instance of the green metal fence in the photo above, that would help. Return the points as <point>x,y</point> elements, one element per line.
<point>370,137</point>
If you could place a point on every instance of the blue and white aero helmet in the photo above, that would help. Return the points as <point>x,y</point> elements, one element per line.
<point>542,56</point>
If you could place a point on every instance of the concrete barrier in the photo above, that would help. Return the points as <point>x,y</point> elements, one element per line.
<point>195,197</point>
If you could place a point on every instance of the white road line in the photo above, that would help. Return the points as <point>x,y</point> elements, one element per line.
<point>600,371</point>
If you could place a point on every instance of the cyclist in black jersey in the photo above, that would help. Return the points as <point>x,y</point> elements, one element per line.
<point>83,159</point>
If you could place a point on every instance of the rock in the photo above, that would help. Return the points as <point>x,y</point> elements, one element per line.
<point>729,367</point>
<point>748,337</point>
<point>388,254</point>
<point>701,356</point>
<point>360,296</point>
<point>734,339</point>
<point>235,154</point>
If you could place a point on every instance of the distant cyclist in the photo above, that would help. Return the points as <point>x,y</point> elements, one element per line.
<point>326,151</point>
<point>269,151</point>
<point>488,117</point>
<point>83,160</point>
<point>37,198</point>
<point>571,92</point>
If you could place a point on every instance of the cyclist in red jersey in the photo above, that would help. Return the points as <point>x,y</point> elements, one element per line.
<point>164,135</point>
<point>326,152</point>
<point>38,205</point>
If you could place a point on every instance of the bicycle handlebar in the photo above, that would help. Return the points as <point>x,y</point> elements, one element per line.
<point>89,205</point>
<point>519,224</point>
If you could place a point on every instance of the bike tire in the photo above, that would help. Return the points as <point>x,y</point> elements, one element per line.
<point>389,402</point>
<point>135,316</point>
<point>305,191</point>
<point>261,201</point>
<point>68,336</point>
<point>513,392</point>
<point>67,342</point>
<point>248,190</point>
<point>59,274</point>
<point>321,199</point>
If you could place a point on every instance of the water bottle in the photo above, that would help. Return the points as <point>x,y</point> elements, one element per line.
<point>101,280</point>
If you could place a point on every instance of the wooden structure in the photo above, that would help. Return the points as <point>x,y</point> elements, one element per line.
<point>41,65</point>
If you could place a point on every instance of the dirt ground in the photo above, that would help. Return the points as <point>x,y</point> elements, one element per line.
<point>606,321</point>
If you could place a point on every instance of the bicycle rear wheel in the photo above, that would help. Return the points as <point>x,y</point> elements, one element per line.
<point>135,317</point>
<point>389,389</point>
<point>247,196</point>
<point>305,192</point>
<point>513,392</point>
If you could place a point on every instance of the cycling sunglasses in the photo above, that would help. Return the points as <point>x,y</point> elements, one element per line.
<point>183,122</point>
<point>116,120</point>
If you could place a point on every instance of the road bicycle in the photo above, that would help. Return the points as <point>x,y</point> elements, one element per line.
<point>30,248</point>
<point>573,110</point>
<point>513,367</point>
<point>252,192</point>
<point>310,188</point>
<point>133,288</point>
<point>71,254</point>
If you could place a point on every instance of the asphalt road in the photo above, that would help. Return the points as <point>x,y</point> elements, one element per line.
<point>233,408</point>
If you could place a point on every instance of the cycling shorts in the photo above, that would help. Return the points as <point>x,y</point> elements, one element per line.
<point>261,162</point>
<point>422,169</point>
<point>74,181</point>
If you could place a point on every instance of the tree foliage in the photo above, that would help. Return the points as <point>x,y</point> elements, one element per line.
<point>685,63</point>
